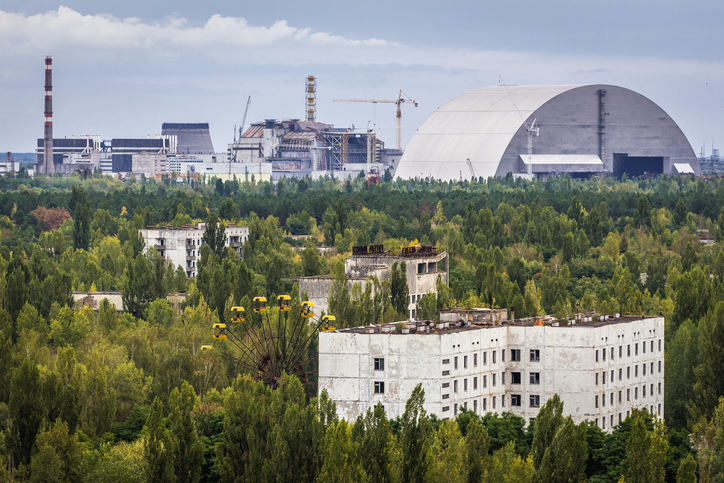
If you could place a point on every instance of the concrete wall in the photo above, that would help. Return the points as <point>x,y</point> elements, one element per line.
<point>473,368</point>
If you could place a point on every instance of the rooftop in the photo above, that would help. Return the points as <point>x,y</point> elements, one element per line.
<point>432,327</point>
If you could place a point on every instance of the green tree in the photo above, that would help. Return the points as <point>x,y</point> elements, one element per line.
<point>547,423</point>
<point>427,308</point>
<point>377,449</point>
<point>415,432</point>
<point>187,448</point>
<point>477,443</point>
<point>645,452</point>
<point>59,455</point>
<point>681,358</point>
<point>157,450</point>
<point>340,464</point>
<point>446,455</point>
<point>215,235</point>
<point>310,259</point>
<point>26,410</point>
<point>80,208</point>
<point>687,470</point>
<point>399,291</point>
<point>137,286</point>
<point>709,384</point>
<point>565,459</point>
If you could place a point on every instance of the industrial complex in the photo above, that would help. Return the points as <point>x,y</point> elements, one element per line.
<point>528,131</point>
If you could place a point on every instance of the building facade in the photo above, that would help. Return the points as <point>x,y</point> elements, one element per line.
<point>181,246</point>
<point>423,267</point>
<point>601,370</point>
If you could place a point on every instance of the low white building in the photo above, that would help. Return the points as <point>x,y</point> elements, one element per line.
<point>181,246</point>
<point>600,369</point>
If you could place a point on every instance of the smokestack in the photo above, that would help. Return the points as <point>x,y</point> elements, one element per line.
<point>48,166</point>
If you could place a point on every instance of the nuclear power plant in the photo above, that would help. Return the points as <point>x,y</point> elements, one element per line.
<point>528,131</point>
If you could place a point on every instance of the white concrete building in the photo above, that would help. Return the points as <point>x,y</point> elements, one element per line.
<point>422,267</point>
<point>601,370</point>
<point>182,245</point>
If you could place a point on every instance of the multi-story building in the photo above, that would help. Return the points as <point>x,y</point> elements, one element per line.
<point>423,266</point>
<point>601,369</point>
<point>182,245</point>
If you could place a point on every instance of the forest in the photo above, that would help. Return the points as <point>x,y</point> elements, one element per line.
<point>127,393</point>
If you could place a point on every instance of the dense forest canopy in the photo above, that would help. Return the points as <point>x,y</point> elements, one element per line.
<point>127,394</point>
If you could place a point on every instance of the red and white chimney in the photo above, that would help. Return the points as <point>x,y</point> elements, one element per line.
<point>48,166</point>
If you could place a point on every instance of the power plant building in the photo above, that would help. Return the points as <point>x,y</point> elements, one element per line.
<point>546,130</point>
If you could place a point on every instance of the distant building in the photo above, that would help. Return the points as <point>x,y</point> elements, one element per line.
<point>601,369</point>
<point>181,245</point>
<point>423,266</point>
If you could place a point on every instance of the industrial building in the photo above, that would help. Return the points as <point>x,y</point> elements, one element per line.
<point>423,267</point>
<point>580,130</point>
<point>601,367</point>
<point>181,246</point>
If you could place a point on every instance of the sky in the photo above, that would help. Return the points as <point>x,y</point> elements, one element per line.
<point>121,69</point>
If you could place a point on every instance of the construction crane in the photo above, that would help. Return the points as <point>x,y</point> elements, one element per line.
<point>243,121</point>
<point>530,129</point>
<point>399,101</point>
<point>472,170</point>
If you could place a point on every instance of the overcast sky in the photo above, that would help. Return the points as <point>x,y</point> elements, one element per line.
<point>121,69</point>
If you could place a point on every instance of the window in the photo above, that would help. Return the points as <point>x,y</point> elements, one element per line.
<point>603,400</point>
<point>475,405</point>
<point>493,402</point>
<point>445,373</point>
<point>619,417</point>
<point>603,377</point>
<point>515,377</point>
<point>455,410</point>
<point>652,390</point>
<point>485,381</point>
<point>502,358</point>
<point>465,404</point>
<point>659,367</point>
<point>534,355</point>
<point>515,400</point>
<point>445,384</point>
<point>465,384</point>
<point>636,351</point>
<point>612,420</point>
<point>620,351</point>
<point>644,347</point>
<point>619,397</point>
<point>611,403</point>
<point>644,368</point>
<point>636,393</point>
<point>502,401</point>
<point>643,390</point>
<point>494,357</point>
<point>596,355</point>
<point>628,350</point>
<point>455,386</point>
<point>515,355</point>
<point>485,357</point>
<point>603,422</point>
<point>445,408</point>
<point>659,388</point>
<point>446,396</point>
<point>475,360</point>
<point>611,353</point>
<point>494,380</point>
<point>535,377</point>
<point>465,362</point>
<point>502,378</point>
<point>485,404</point>
<point>456,362</point>
<point>534,401</point>
<point>597,378</point>
<point>475,382</point>
<point>379,364</point>
<point>604,354</point>
<point>628,396</point>
<point>652,368</point>
<point>628,372</point>
<point>620,374</point>
<point>652,346</point>
<point>659,345</point>
<point>446,361</point>
<point>379,387</point>
<point>659,411</point>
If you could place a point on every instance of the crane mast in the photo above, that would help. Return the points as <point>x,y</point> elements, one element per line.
<point>398,120</point>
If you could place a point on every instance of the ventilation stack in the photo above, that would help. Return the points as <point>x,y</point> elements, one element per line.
<point>48,166</point>
<point>311,98</point>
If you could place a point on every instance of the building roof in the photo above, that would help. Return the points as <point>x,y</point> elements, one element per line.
<point>489,125</point>
<point>476,125</point>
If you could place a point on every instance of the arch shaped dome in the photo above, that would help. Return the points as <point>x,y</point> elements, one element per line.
<point>488,126</point>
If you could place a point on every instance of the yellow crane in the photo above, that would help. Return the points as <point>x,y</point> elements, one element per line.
<point>399,101</point>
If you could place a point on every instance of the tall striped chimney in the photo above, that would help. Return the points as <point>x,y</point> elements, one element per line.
<point>48,166</point>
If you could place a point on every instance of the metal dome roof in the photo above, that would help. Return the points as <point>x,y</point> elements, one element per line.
<point>477,125</point>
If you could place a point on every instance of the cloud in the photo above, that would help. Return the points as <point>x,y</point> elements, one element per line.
<point>66,28</point>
